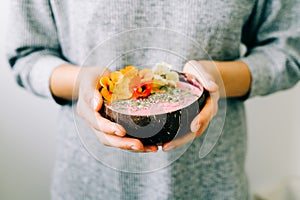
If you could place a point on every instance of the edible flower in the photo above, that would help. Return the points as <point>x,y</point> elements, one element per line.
<point>108,84</point>
<point>107,87</point>
<point>130,82</point>
<point>143,90</point>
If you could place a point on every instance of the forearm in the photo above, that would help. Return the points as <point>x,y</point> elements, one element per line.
<point>233,75</point>
<point>63,81</point>
<point>66,79</point>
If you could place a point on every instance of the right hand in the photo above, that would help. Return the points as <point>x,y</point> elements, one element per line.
<point>90,102</point>
<point>210,109</point>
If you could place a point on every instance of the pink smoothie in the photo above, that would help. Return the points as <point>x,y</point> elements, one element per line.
<point>167,101</point>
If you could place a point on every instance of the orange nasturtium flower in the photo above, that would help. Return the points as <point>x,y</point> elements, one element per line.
<point>143,90</point>
<point>129,82</point>
<point>116,76</point>
<point>107,87</point>
<point>108,84</point>
<point>128,69</point>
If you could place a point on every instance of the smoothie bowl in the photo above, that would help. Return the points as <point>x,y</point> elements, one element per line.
<point>154,105</point>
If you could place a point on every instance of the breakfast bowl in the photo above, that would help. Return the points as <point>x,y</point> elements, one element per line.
<point>154,105</point>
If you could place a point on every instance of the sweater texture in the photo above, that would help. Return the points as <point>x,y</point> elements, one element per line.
<point>45,34</point>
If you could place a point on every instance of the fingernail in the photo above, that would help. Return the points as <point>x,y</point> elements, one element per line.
<point>196,126</point>
<point>134,148</point>
<point>149,149</point>
<point>119,133</point>
<point>212,84</point>
<point>95,103</point>
<point>119,130</point>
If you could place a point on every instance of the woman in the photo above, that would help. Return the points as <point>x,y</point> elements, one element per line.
<point>50,39</point>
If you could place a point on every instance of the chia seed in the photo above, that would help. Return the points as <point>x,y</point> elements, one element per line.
<point>167,95</point>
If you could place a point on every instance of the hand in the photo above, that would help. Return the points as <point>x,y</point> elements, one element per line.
<point>207,76</point>
<point>90,102</point>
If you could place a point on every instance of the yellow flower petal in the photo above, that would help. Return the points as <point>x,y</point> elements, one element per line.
<point>116,76</point>
<point>157,84</point>
<point>104,81</point>
<point>146,74</point>
<point>106,94</point>
<point>127,69</point>
<point>111,86</point>
<point>131,73</point>
<point>122,90</point>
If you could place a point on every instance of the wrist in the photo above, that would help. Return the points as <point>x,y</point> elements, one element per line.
<point>232,77</point>
<point>63,81</point>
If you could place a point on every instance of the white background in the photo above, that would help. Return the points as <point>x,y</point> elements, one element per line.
<point>28,131</point>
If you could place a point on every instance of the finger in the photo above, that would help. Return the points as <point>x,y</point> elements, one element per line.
<point>150,148</point>
<point>205,115</point>
<point>95,120</point>
<point>187,137</point>
<point>120,142</point>
<point>108,126</point>
<point>178,142</point>
<point>215,96</point>
<point>125,143</point>
<point>97,101</point>
<point>210,85</point>
<point>195,68</point>
<point>92,97</point>
<point>103,124</point>
<point>202,128</point>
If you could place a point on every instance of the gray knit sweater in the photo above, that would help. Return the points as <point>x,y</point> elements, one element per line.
<point>44,34</point>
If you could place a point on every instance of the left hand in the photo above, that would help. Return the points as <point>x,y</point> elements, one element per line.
<point>90,102</point>
<point>203,71</point>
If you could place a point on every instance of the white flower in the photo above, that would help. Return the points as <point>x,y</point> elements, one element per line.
<point>159,78</point>
<point>161,68</point>
<point>172,76</point>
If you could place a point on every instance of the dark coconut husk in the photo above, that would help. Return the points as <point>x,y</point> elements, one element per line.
<point>161,128</point>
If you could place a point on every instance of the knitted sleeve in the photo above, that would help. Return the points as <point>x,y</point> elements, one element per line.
<point>33,49</point>
<point>272,37</point>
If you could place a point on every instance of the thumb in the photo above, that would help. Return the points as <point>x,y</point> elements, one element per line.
<point>211,86</point>
<point>97,101</point>
<point>195,68</point>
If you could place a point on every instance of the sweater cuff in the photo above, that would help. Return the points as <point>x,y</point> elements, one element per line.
<point>41,72</point>
<point>262,75</point>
